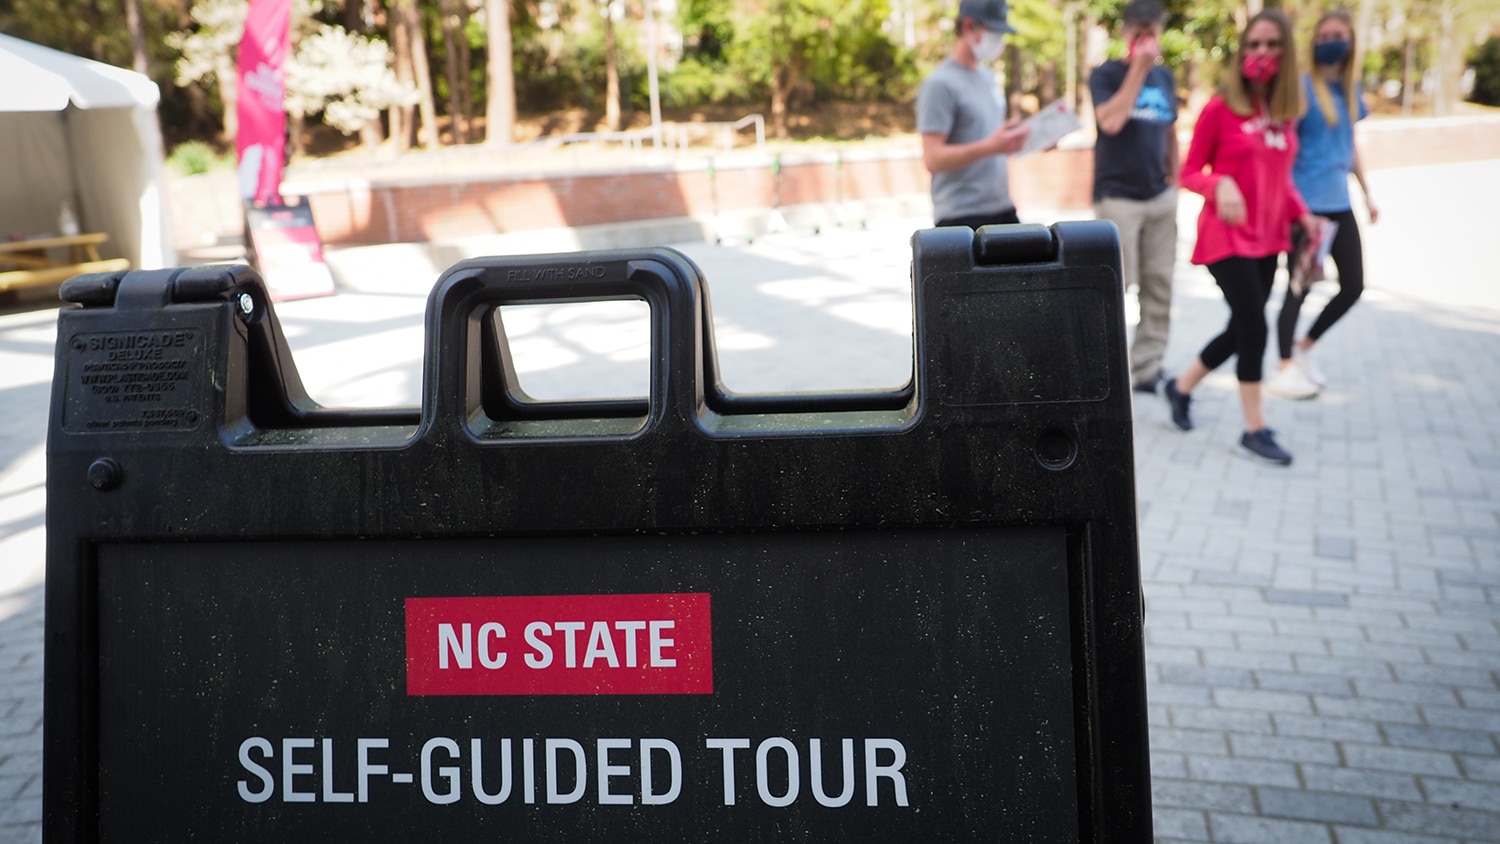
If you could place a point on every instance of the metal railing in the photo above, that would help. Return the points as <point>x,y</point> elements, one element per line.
<point>677,137</point>
<point>684,133</point>
<point>632,139</point>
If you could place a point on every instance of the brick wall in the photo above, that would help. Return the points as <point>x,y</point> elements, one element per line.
<point>376,213</point>
<point>1433,140</point>
<point>447,206</point>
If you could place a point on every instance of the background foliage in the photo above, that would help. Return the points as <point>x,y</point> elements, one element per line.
<point>366,67</point>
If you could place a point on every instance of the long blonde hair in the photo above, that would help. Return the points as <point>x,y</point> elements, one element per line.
<point>1321,92</point>
<point>1287,99</point>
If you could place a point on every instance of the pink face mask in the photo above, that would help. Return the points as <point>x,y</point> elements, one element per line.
<point>1260,67</point>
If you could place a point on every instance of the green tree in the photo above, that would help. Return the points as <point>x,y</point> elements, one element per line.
<point>344,76</point>
<point>206,54</point>
<point>1035,51</point>
<point>703,74</point>
<point>789,51</point>
<point>1453,25</point>
<point>1485,62</point>
<point>94,29</point>
<point>124,33</point>
<point>347,78</point>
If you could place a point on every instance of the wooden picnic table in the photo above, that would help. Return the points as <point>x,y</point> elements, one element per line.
<point>24,263</point>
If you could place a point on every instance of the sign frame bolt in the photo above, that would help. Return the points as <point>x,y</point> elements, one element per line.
<point>105,474</point>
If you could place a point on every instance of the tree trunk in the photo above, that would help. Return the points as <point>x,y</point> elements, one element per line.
<point>371,135</point>
<point>611,70</point>
<point>653,78</point>
<point>1012,81</point>
<point>229,96</point>
<point>1449,62</point>
<point>465,63</point>
<point>782,69</point>
<point>140,58</point>
<point>457,126</point>
<point>403,118</point>
<point>500,108</point>
<point>1251,9</point>
<point>1070,57</point>
<point>782,82</point>
<point>1048,84</point>
<point>1406,77</point>
<point>1364,33</point>
<point>354,16</point>
<point>295,123</point>
<point>410,20</point>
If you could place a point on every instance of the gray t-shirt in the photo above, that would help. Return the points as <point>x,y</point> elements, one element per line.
<point>962,105</point>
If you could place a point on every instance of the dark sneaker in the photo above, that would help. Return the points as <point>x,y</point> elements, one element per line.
<point>1151,384</point>
<point>1180,403</point>
<point>1261,445</point>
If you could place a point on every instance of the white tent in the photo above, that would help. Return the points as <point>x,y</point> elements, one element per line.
<point>83,135</point>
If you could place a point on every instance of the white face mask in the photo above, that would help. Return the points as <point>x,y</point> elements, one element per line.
<point>991,45</point>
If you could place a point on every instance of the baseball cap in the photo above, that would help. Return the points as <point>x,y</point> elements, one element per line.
<point>990,13</point>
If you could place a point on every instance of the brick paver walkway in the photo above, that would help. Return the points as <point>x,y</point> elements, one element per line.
<point>1322,641</point>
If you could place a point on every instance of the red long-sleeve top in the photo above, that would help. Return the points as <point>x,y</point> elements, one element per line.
<point>1258,154</point>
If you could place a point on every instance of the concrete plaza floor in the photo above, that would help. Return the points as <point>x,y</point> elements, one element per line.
<point>1323,652</point>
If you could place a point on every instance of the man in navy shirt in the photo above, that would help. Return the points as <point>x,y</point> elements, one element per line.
<point>1135,177</point>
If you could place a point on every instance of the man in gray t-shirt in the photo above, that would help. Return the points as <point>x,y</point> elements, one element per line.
<point>961,117</point>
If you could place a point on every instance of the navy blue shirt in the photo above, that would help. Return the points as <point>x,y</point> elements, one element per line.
<point>1132,164</point>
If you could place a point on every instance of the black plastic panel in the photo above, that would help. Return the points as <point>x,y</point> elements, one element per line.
<point>248,593</point>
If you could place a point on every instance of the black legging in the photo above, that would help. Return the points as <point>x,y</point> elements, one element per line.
<point>1348,258</point>
<point>1246,283</point>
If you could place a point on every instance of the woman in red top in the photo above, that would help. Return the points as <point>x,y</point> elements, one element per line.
<point>1240,160</point>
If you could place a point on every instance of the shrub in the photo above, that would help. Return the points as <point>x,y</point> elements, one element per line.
<point>1484,60</point>
<point>193,157</point>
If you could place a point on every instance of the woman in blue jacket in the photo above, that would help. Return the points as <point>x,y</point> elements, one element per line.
<point>1325,158</point>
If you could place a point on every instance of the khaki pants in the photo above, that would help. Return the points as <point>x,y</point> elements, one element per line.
<point>1148,246</point>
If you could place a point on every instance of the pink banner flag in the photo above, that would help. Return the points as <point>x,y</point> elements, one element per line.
<point>261,142</point>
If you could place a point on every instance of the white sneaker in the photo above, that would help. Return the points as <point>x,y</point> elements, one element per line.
<point>1291,382</point>
<point>1309,367</point>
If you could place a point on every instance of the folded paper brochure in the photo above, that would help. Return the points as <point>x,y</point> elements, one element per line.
<point>1306,265</point>
<point>1048,126</point>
